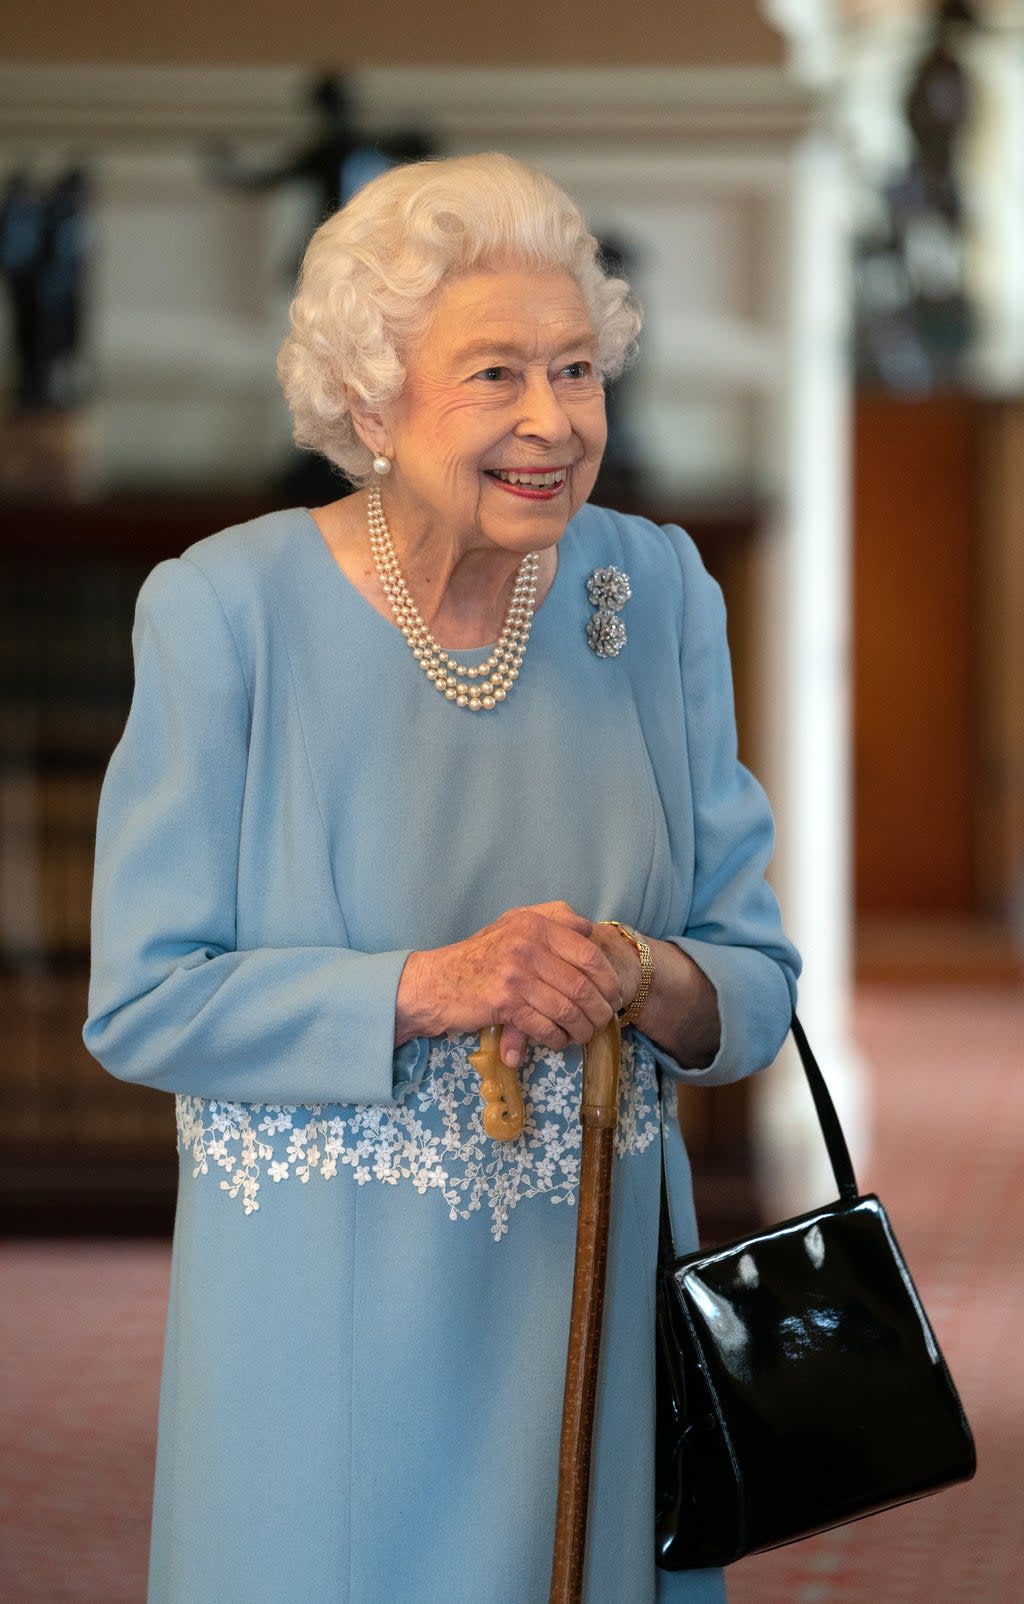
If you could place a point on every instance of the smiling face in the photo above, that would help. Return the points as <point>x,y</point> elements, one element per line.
<point>499,430</point>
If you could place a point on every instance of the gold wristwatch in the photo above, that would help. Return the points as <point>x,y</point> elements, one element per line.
<point>626,1015</point>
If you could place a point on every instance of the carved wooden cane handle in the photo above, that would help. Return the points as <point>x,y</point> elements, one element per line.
<point>504,1115</point>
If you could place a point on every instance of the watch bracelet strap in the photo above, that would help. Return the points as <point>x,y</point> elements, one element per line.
<point>626,1015</point>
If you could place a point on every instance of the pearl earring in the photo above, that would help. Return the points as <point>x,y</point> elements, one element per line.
<point>382,465</point>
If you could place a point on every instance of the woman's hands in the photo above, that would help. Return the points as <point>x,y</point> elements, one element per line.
<point>548,975</point>
<point>544,972</point>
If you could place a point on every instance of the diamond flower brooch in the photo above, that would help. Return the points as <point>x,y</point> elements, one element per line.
<point>608,591</point>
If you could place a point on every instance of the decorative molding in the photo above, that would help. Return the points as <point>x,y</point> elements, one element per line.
<point>602,104</point>
<point>107,106</point>
<point>97,106</point>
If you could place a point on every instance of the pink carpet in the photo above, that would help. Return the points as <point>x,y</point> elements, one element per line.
<point>949,1089</point>
<point>81,1328</point>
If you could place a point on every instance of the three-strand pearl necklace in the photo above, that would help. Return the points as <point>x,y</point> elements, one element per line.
<point>478,688</point>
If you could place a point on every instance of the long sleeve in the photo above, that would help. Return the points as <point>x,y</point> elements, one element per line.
<point>734,930</point>
<point>172,1003</point>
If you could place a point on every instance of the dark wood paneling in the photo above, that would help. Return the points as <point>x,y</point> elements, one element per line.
<point>917,500</point>
<point>1001,663</point>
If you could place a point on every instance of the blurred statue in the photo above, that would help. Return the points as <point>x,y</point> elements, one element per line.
<point>619,476</point>
<point>21,233</point>
<point>43,264</point>
<point>937,108</point>
<point>336,161</point>
<point>43,260</point>
<point>915,321</point>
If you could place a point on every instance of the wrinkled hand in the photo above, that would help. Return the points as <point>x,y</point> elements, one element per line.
<point>539,971</point>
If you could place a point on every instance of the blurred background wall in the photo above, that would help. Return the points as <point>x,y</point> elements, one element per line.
<point>822,207</point>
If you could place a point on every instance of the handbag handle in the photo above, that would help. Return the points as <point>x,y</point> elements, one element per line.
<point>828,1119</point>
<point>831,1130</point>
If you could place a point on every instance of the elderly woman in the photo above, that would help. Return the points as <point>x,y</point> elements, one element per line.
<point>456,750</point>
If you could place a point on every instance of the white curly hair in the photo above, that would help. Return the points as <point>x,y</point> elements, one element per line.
<point>371,273</point>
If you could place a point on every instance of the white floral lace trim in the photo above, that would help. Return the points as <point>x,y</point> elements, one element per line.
<point>432,1136</point>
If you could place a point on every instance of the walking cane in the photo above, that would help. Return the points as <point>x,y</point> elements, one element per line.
<point>599,1110</point>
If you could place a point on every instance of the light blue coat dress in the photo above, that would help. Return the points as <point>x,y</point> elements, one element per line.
<point>369,1300</point>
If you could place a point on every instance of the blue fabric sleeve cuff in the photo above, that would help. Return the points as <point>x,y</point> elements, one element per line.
<point>756,996</point>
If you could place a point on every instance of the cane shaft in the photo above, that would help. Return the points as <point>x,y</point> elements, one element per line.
<point>598,1113</point>
<point>581,1366</point>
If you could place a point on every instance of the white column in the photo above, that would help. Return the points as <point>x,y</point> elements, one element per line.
<point>806,687</point>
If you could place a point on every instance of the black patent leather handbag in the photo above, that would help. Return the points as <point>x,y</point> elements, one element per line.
<point>800,1384</point>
